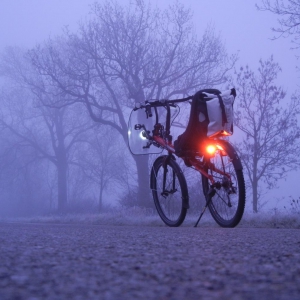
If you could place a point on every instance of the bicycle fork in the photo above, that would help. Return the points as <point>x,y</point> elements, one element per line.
<point>165,192</point>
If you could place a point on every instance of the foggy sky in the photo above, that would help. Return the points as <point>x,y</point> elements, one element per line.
<point>243,28</point>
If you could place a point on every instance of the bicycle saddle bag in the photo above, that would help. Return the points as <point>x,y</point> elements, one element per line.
<point>211,115</point>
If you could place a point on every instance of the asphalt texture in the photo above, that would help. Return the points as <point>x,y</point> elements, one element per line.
<point>84,261</point>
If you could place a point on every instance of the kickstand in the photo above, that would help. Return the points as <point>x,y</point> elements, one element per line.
<point>210,194</point>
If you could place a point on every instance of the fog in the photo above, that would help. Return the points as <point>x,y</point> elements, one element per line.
<point>42,147</point>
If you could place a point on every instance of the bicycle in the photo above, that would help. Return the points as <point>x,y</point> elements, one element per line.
<point>216,160</point>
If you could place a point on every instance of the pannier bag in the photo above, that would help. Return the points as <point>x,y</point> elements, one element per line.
<point>211,116</point>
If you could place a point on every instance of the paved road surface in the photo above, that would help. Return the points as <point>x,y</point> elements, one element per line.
<point>46,261</point>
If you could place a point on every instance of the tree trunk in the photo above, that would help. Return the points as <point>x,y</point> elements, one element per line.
<point>255,197</point>
<point>100,204</point>
<point>254,176</point>
<point>143,194</point>
<point>62,187</point>
<point>61,163</point>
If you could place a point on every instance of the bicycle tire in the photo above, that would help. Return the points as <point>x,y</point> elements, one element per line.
<point>172,202</point>
<point>225,206</point>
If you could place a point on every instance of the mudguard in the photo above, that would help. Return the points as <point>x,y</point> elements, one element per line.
<point>229,149</point>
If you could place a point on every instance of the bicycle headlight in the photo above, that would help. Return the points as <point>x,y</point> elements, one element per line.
<point>142,135</point>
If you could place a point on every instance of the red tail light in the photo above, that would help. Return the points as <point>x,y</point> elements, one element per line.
<point>211,149</point>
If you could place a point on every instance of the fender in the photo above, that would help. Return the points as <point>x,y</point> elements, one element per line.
<point>232,153</point>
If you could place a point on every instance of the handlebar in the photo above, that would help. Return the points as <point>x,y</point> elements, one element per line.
<point>158,103</point>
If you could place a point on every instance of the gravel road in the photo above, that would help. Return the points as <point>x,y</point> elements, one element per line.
<point>83,261</point>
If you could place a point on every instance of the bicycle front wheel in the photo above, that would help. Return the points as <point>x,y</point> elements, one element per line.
<point>227,199</point>
<point>169,190</point>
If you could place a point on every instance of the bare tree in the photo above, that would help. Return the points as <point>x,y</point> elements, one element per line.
<point>52,132</point>
<point>23,192</point>
<point>102,161</point>
<point>288,12</point>
<point>125,55</point>
<point>270,144</point>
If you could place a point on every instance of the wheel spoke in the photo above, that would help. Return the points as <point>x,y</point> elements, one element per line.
<point>223,200</point>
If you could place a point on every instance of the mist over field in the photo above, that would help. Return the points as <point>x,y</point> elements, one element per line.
<point>71,71</point>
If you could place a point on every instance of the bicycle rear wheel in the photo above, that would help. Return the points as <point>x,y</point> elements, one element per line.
<point>169,190</point>
<point>227,201</point>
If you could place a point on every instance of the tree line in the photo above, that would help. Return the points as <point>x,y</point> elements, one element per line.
<point>65,105</point>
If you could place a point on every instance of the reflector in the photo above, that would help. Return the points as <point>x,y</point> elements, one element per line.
<point>220,147</point>
<point>222,151</point>
<point>226,133</point>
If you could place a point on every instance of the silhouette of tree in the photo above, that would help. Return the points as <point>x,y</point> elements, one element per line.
<point>52,132</point>
<point>124,55</point>
<point>288,12</point>
<point>270,144</point>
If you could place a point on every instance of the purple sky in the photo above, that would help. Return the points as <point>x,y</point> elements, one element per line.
<point>243,29</point>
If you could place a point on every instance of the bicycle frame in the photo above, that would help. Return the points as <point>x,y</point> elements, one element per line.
<point>194,162</point>
<point>213,157</point>
<point>163,139</point>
